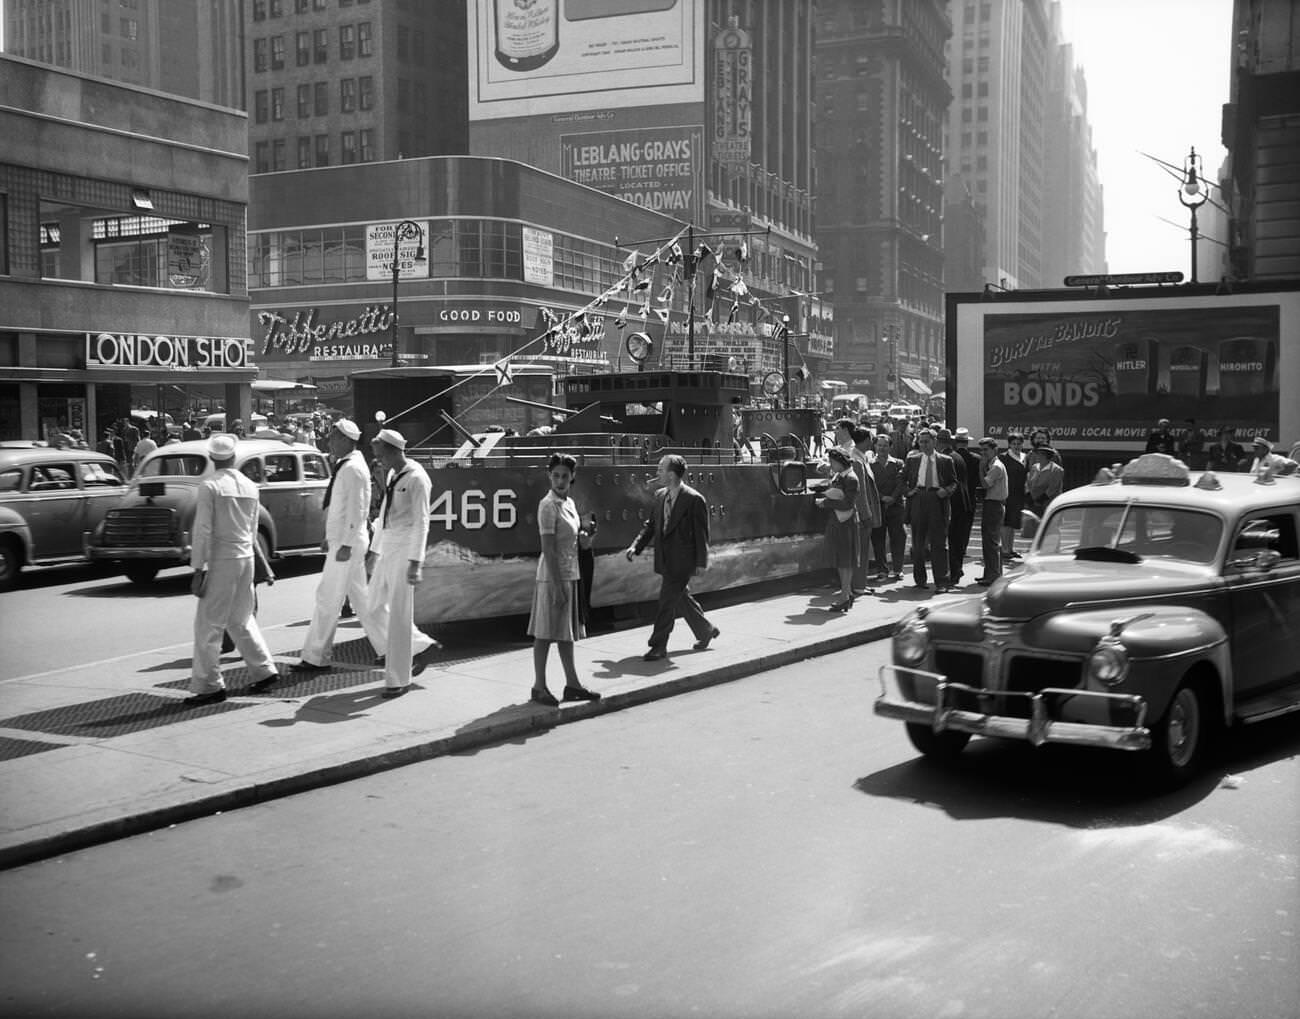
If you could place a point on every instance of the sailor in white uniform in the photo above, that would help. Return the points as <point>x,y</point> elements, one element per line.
<point>347,540</point>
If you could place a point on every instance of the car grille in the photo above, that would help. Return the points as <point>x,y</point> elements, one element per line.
<point>1000,631</point>
<point>1029,674</point>
<point>138,527</point>
<point>960,666</point>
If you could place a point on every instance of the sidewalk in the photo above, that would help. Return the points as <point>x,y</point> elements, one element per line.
<point>107,750</point>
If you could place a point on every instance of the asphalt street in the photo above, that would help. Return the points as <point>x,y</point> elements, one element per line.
<point>762,848</point>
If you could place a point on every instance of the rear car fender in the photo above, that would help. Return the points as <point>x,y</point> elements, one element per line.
<point>266,525</point>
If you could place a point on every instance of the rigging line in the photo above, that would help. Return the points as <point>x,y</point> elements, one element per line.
<point>654,259</point>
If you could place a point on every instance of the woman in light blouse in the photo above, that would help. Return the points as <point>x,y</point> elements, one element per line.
<point>556,616</point>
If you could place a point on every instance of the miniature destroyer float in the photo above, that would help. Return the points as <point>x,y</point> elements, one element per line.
<point>483,541</point>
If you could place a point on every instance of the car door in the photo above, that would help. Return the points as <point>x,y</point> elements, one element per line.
<point>1265,601</point>
<point>54,509</point>
<point>282,497</point>
<point>315,480</point>
<point>103,486</point>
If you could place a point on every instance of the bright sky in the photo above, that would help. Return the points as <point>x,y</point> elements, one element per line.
<point>1157,73</point>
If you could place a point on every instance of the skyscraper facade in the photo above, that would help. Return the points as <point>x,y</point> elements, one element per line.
<point>331,82</point>
<point>1018,138</point>
<point>881,103</point>
<point>186,48</point>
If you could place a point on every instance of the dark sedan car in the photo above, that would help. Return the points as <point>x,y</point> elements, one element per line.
<point>1154,610</point>
<point>48,499</point>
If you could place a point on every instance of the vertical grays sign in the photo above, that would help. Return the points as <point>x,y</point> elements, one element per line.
<point>733,87</point>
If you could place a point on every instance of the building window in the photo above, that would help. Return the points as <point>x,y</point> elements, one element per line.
<point>130,28</point>
<point>347,94</point>
<point>277,52</point>
<point>261,157</point>
<point>301,6</point>
<point>348,143</point>
<point>367,137</point>
<point>983,114</point>
<point>403,95</point>
<point>982,138</point>
<point>277,8</point>
<point>966,92</point>
<point>403,43</point>
<point>259,10</point>
<point>983,64</point>
<point>322,150</point>
<point>365,43</point>
<point>322,98</point>
<point>968,65</point>
<point>345,3</point>
<point>277,104</point>
<point>304,102</point>
<point>304,48</point>
<point>366,89</point>
<point>304,152</point>
<point>261,106</point>
<point>983,90</point>
<point>261,49</point>
<point>319,5</point>
<point>347,42</point>
<point>278,155</point>
<point>321,46</point>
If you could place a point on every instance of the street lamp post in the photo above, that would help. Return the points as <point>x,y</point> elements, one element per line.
<point>405,230</point>
<point>1193,193</point>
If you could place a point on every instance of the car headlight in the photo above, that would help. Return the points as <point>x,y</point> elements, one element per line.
<point>911,641</point>
<point>1108,663</point>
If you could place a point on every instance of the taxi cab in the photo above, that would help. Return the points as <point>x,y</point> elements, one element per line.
<point>48,498</point>
<point>1157,606</point>
<point>150,529</point>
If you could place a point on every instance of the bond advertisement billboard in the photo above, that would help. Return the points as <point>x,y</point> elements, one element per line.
<point>541,57</point>
<point>655,167</point>
<point>1105,376</point>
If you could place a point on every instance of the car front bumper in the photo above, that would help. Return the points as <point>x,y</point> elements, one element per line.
<point>1049,715</point>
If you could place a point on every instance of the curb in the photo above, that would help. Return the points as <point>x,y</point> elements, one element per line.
<point>47,846</point>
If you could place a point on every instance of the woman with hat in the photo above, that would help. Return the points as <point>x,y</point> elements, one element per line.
<point>556,616</point>
<point>842,541</point>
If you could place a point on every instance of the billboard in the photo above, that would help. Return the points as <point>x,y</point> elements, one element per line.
<point>380,244</point>
<point>542,57</point>
<point>1099,373</point>
<point>658,168</point>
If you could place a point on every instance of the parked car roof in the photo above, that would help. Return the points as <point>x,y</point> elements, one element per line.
<point>244,448</point>
<point>12,456</point>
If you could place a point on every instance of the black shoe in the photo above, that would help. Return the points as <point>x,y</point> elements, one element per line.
<point>922,586</point>
<point>578,693</point>
<point>985,581</point>
<point>703,645</point>
<point>895,576</point>
<point>306,666</point>
<point>841,606</point>
<point>544,697</point>
<point>198,700</point>
<point>395,691</point>
<point>417,667</point>
<point>265,683</point>
<point>654,655</point>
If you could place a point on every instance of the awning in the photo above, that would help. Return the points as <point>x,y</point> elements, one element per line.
<point>278,386</point>
<point>915,385</point>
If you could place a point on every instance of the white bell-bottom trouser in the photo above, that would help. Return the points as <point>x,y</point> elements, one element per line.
<point>337,582</point>
<point>392,609</point>
<point>227,607</point>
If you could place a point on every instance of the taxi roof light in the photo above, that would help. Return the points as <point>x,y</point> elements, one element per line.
<point>1156,469</point>
<point>1209,482</point>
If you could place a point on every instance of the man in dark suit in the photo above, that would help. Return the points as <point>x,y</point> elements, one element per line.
<point>962,507</point>
<point>888,471</point>
<point>1225,454</point>
<point>931,481</point>
<point>679,528</point>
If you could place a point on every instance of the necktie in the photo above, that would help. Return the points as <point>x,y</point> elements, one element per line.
<point>329,489</point>
<point>668,508</point>
<point>929,472</point>
<point>388,494</point>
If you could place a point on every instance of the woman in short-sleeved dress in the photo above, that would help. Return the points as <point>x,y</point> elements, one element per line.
<point>556,615</point>
<point>842,536</point>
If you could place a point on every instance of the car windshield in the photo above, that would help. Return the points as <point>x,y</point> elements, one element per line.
<point>174,465</point>
<point>1092,531</point>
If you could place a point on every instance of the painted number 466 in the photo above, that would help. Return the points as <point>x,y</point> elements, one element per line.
<point>475,508</point>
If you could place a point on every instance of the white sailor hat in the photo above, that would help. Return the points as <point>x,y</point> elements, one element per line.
<point>1262,442</point>
<point>348,429</point>
<point>394,438</point>
<point>221,446</point>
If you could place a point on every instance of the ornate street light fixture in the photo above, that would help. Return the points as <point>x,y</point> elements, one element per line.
<point>1193,193</point>
<point>404,231</point>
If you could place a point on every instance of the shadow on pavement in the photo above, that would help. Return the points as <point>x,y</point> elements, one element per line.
<point>518,724</point>
<point>616,668</point>
<point>1078,787</point>
<point>331,708</point>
